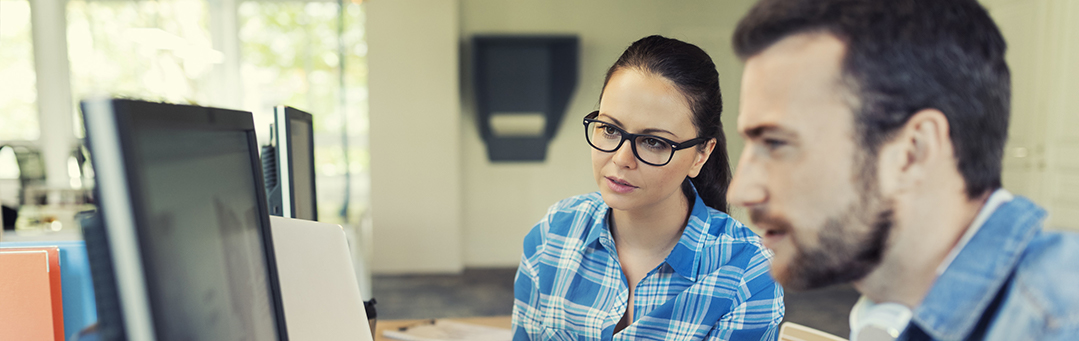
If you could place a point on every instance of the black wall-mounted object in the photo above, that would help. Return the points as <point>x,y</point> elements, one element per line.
<point>523,86</point>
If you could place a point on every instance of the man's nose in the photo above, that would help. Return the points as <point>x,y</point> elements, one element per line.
<point>747,187</point>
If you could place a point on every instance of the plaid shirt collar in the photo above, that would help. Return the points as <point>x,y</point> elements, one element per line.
<point>684,258</point>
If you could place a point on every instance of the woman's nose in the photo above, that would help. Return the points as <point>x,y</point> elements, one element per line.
<point>623,156</point>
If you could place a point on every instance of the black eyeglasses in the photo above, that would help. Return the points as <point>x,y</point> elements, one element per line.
<point>650,149</point>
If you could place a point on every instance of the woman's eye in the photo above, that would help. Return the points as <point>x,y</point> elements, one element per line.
<point>609,131</point>
<point>653,143</point>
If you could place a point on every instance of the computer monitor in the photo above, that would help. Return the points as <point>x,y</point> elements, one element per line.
<point>182,249</point>
<point>289,165</point>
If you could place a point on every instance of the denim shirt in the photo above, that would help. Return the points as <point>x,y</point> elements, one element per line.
<point>1012,281</point>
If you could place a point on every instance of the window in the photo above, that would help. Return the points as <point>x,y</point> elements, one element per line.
<point>290,57</point>
<point>18,108</point>
<point>154,50</point>
<point>251,56</point>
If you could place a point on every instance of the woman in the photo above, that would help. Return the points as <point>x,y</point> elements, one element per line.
<point>655,235</point>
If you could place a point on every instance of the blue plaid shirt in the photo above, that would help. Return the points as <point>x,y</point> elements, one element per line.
<point>714,285</point>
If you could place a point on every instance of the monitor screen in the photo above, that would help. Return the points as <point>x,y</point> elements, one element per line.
<point>303,190</point>
<point>203,229</point>
<point>291,193</point>
<point>200,220</point>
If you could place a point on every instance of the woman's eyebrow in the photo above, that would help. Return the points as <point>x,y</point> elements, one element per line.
<point>653,131</point>
<point>650,131</point>
<point>614,120</point>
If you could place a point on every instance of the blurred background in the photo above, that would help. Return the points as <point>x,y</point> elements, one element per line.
<point>246,55</point>
<point>397,149</point>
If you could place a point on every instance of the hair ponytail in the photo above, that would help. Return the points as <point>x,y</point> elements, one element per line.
<point>714,178</point>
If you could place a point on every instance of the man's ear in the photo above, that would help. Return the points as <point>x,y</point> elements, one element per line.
<point>702,157</point>
<point>914,150</point>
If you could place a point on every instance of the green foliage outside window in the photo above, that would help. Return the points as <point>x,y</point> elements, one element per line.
<point>18,95</point>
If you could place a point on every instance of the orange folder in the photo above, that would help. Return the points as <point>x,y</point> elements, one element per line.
<point>31,303</point>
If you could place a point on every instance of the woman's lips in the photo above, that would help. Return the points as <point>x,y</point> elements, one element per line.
<point>620,186</point>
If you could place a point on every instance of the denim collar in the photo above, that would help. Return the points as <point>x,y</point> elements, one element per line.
<point>684,258</point>
<point>959,296</point>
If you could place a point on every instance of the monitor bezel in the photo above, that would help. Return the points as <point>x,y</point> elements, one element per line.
<point>110,124</point>
<point>283,117</point>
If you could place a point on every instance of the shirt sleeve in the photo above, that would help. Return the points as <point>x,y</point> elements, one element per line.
<point>758,316</point>
<point>526,301</point>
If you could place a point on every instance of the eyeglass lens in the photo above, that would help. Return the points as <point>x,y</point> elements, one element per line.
<point>649,149</point>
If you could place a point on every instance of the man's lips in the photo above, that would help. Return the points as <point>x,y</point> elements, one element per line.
<point>775,226</point>
<point>772,236</point>
<point>776,233</point>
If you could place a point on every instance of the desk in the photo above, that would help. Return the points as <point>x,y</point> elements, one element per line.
<point>491,321</point>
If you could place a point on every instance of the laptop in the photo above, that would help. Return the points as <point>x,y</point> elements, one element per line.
<point>319,291</point>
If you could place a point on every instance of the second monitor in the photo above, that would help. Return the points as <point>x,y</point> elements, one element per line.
<point>289,165</point>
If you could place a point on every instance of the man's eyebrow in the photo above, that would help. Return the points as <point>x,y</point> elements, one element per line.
<point>649,131</point>
<point>757,131</point>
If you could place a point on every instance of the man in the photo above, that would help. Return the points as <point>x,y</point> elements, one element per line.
<point>874,136</point>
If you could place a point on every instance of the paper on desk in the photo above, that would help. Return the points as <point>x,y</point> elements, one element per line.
<point>449,330</point>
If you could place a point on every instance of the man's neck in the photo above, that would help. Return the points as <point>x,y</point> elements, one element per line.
<point>925,231</point>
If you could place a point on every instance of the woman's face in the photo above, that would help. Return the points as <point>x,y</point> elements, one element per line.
<point>645,103</point>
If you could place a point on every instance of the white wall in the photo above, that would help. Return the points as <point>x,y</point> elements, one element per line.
<point>438,204</point>
<point>502,201</point>
<point>415,149</point>
<point>1040,157</point>
<point>1062,107</point>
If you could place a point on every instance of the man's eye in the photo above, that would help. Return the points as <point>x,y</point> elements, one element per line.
<point>774,143</point>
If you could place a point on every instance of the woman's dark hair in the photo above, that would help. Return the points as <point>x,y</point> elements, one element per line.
<point>694,75</point>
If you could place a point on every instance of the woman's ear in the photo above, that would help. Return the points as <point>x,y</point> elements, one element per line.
<point>701,157</point>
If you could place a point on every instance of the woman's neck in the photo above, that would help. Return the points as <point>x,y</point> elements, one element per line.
<point>656,228</point>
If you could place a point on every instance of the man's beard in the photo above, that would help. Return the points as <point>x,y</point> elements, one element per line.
<point>851,244</point>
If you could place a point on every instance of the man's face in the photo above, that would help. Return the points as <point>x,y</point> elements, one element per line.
<point>802,176</point>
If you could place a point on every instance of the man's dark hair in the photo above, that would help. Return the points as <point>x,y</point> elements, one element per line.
<point>904,56</point>
<point>694,75</point>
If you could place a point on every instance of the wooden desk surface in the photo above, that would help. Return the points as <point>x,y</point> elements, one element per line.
<point>490,321</point>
